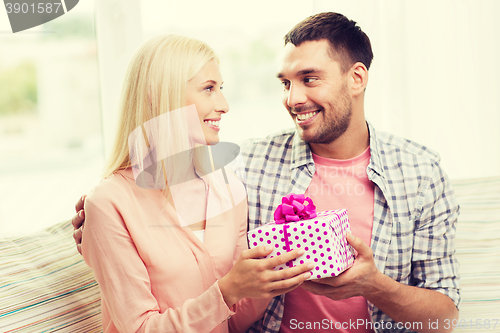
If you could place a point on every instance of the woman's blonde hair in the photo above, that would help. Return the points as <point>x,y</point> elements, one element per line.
<point>154,84</point>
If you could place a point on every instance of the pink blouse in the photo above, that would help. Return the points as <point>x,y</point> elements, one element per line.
<point>154,275</point>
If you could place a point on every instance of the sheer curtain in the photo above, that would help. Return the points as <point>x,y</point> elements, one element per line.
<point>118,34</point>
<point>434,79</point>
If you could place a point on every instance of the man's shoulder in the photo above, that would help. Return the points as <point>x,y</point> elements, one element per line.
<point>393,145</point>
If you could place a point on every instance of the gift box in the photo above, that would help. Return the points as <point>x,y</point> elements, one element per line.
<point>321,235</point>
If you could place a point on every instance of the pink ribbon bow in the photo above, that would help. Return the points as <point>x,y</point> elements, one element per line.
<point>293,208</point>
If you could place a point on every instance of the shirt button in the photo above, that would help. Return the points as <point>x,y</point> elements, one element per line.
<point>273,323</point>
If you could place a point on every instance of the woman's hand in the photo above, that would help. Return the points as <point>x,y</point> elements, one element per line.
<point>254,277</point>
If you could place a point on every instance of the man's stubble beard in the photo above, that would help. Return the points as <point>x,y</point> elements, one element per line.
<point>333,124</point>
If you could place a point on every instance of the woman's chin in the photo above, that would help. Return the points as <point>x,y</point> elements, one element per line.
<point>212,139</point>
<point>207,140</point>
<point>212,142</point>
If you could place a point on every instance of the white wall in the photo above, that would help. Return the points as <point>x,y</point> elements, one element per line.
<point>435,76</point>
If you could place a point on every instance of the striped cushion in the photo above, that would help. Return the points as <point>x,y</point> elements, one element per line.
<point>45,286</point>
<point>478,252</point>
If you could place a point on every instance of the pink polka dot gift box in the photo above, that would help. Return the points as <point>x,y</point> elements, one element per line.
<point>322,236</point>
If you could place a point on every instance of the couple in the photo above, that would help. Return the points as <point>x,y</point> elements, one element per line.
<point>157,275</point>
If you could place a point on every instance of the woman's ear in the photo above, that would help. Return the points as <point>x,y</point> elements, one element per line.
<point>359,78</point>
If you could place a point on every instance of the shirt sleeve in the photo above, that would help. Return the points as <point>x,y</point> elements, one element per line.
<point>238,165</point>
<point>435,265</point>
<point>124,281</point>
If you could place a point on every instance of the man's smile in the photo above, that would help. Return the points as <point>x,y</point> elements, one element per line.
<point>306,118</point>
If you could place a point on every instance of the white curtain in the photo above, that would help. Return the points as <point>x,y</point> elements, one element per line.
<point>118,34</point>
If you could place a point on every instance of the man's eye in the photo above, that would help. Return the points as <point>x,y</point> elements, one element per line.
<point>286,84</point>
<point>310,79</point>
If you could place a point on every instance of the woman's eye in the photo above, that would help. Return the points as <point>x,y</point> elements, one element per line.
<point>209,88</point>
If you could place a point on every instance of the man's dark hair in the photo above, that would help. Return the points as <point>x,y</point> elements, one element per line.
<point>349,44</point>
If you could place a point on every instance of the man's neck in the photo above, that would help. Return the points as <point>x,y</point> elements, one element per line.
<point>352,143</point>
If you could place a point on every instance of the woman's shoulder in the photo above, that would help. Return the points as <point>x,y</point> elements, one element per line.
<point>113,189</point>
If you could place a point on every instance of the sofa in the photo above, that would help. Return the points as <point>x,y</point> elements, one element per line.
<point>45,286</point>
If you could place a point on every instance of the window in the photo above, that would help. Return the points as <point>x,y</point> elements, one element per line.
<point>50,127</point>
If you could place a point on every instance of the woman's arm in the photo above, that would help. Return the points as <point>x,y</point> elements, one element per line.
<point>248,310</point>
<point>126,287</point>
<point>125,284</point>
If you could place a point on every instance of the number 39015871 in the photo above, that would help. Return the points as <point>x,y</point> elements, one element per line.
<point>25,8</point>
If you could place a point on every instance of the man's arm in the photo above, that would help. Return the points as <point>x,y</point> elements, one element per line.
<point>434,267</point>
<point>406,304</point>
<point>77,222</point>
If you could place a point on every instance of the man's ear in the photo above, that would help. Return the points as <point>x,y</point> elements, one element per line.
<point>359,78</point>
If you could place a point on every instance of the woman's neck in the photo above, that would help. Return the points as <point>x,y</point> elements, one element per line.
<point>189,198</point>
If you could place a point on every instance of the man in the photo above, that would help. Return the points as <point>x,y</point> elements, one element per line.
<point>401,205</point>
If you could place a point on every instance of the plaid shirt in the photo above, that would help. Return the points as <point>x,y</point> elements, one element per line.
<point>415,211</point>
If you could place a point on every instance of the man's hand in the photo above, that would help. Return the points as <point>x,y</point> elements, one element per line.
<point>353,282</point>
<point>401,302</point>
<point>77,222</point>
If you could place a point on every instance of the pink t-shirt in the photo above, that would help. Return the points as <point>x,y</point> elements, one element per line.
<point>335,184</point>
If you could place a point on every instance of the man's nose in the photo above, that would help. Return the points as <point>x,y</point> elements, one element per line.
<point>296,96</point>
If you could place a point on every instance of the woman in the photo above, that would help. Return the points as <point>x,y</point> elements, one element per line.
<point>161,239</point>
